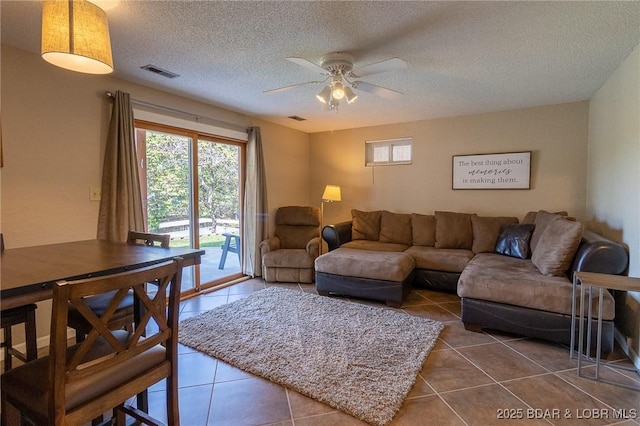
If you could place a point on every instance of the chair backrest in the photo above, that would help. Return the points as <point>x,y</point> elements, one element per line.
<point>111,366</point>
<point>297,225</point>
<point>147,239</point>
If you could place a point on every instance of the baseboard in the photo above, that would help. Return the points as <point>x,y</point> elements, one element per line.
<point>41,342</point>
<point>626,348</point>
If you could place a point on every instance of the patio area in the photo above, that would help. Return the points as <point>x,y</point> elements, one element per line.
<point>213,267</point>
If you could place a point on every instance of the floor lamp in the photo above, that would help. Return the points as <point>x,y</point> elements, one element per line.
<point>331,193</point>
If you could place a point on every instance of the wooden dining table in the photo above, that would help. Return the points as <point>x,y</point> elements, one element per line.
<point>27,274</point>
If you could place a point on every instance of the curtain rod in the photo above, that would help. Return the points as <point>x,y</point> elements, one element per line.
<point>229,126</point>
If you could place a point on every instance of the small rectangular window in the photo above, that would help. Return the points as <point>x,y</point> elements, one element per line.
<point>388,152</point>
<point>380,154</point>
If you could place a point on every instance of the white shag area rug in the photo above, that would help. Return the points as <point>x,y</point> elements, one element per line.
<point>359,359</point>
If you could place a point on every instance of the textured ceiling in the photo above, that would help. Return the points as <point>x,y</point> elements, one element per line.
<point>463,57</point>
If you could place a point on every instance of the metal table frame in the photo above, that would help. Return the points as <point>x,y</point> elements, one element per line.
<point>590,281</point>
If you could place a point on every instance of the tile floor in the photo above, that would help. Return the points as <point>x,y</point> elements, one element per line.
<point>469,378</point>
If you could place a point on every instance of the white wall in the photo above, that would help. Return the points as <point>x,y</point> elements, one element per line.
<point>613,194</point>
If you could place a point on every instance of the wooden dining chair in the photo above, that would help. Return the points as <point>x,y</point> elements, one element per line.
<point>147,239</point>
<point>124,316</point>
<point>16,316</point>
<point>73,385</point>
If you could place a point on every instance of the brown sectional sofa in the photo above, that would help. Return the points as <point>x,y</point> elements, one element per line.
<point>523,288</point>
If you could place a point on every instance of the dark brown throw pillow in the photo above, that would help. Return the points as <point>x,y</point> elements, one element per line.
<point>514,240</point>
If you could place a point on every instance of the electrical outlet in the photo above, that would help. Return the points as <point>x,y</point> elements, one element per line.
<point>95,193</point>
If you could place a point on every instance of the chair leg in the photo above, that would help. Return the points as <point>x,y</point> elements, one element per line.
<point>10,415</point>
<point>142,401</point>
<point>8,344</point>
<point>120,415</point>
<point>173,412</point>
<point>225,249</point>
<point>31,338</point>
<point>98,421</point>
<point>140,416</point>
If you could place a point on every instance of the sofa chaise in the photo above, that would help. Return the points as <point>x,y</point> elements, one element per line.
<point>511,276</point>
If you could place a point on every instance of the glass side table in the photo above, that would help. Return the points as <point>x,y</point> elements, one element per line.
<point>591,282</point>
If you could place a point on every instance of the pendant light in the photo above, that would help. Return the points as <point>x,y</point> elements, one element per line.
<point>75,36</point>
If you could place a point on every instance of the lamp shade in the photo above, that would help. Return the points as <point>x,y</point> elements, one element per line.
<point>331,193</point>
<point>324,95</point>
<point>350,95</point>
<point>75,36</point>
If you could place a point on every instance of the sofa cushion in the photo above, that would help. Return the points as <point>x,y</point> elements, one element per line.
<point>453,230</point>
<point>543,218</point>
<point>295,237</point>
<point>557,246</point>
<point>296,226</point>
<point>486,231</point>
<point>365,225</point>
<point>395,228</point>
<point>518,282</point>
<point>298,215</point>
<point>530,217</point>
<point>375,245</point>
<point>445,260</point>
<point>423,229</point>
<point>372,265</point>
<point>514,240</point>
<point>287,258</point>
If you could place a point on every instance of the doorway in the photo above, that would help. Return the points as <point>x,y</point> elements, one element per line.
<point>192,190</point>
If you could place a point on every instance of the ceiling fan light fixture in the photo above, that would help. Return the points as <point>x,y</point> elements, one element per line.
<point>324,95</point>
<point>334,103</point>
<point>350,95</point>
<point>338,91</point>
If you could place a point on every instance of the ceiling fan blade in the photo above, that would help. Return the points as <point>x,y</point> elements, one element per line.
<point>307,64</point>
<point>383,92</point>
<point>292,86</point>
<point>392,64</point>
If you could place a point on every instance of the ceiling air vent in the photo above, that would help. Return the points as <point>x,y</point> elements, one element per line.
<point>160,71</point>
<point>297,118</point>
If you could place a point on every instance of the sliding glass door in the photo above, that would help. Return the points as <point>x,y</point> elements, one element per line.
<point>192,187</point>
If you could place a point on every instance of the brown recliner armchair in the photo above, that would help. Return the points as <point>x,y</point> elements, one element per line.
<point>289,255</point>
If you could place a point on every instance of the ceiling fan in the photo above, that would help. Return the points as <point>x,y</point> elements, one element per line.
<point>342,78</point>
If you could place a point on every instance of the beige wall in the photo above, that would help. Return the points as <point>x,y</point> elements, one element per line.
<point>556,135</point>
<point>613,196</point>
<point>54,125</point>
<point>286,156</point>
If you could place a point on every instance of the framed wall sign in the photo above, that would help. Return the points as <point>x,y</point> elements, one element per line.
<point>511,170</point>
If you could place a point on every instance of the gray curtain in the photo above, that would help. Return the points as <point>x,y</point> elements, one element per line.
<point>255,206</point>
<point>121,202</point>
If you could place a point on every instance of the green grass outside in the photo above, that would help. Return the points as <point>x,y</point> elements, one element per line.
<point>205,241</point>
